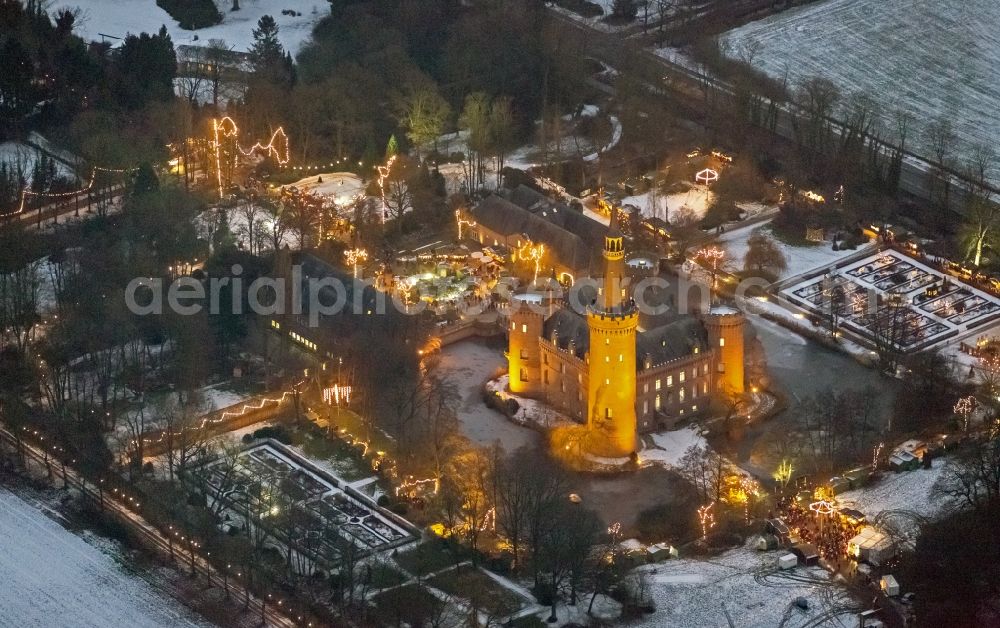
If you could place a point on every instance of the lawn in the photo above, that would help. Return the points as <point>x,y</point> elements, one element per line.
<point>426,558</point>
<point>480,590</point>
<point>412,604</point>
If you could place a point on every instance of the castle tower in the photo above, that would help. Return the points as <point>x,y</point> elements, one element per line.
<point>725,327</point>
<point>613,321</point>
<point>524,359</point>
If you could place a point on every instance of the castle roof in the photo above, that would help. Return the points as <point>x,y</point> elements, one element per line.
<point>676,339</point>
<point>568,325</point>
<point>506,218</point>
<point>562,215</point>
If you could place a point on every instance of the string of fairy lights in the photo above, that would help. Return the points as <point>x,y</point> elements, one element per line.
<point>226,128</point>
<point>26,193</point>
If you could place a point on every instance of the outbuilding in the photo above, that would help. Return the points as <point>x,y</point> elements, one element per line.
<point>871,546</point>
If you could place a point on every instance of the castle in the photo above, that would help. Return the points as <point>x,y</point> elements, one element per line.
<point>618,381</point>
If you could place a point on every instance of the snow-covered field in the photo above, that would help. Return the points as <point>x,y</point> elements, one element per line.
<point>801,259</point>
<point>740,588</point>
<point>906,491</point>
<point>50,577</point>
<point>120,17</point>
<point>930,58</point>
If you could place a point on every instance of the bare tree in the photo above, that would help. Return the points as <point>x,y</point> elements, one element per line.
<point>19,292</point>
<point>973,478</point>
<point>940,138</point>
<point>705,469</point>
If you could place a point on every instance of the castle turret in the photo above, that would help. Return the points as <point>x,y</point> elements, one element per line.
<point>523,351</point>
<point>725,326</point>
<point>613,321</point>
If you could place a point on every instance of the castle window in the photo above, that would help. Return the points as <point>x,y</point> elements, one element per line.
<point>694,392</point>
<point>607,359</point>
<point>621,357</point>
<point>645,407</point>
<point>680,395</point>
<point>607,381</point>
<point>607,341</point>
<point>670,380</point>
<point>704,368</point>
<point>657,402</point>
<point>524,354</point>
<point>704,388</point>
<point>545,377</point>
<point>562,386</point>
<point>513,326</point>
<point>696,350</point>
<point>645,387</point>
<point>681,376</point>
<point>562,367</point>
<point>607,413</point>
<point>694,408</point>
<point>524,375</point>
<point>658,383</point>
<point>722,342</point>
<point>524,328</point>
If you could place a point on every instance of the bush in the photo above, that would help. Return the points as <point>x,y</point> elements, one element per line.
<point>192,14</point>
<point>277,432</point>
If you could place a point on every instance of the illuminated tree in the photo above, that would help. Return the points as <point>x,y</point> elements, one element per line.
<point>424,114</point>
<point>982,216</point>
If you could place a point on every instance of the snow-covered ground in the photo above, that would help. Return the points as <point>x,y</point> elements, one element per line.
<point>342,188</point>
<point>670,446</point>
<point>53,578</point>
<point>697,199</point>
<point>742,588</point>
<point>22,158</point>
<point>801,259</point>
<point>932,59</point>
<point>908,491</point>
<point>118,18</point>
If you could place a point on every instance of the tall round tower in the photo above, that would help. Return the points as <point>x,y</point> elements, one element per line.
<point>725,326</point>
<point>613,321</point>
<point>523,351</point>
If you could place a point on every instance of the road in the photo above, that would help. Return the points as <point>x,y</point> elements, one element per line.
<point>150,536</point>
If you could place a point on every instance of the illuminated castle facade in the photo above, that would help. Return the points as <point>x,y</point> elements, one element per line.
<point>616,380</point>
